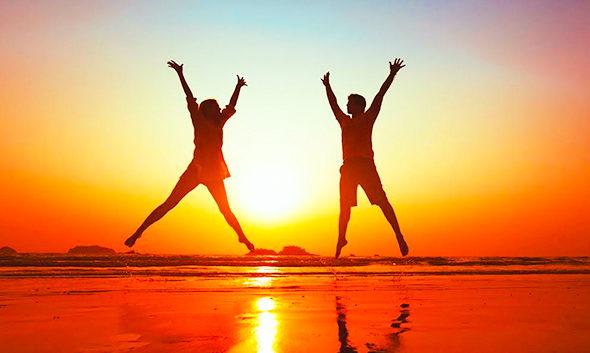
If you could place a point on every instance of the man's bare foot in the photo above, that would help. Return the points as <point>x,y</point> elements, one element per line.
<point>246,242</point>
<point>341,243</point>
<point>403,246</point>
<point>132,239</point>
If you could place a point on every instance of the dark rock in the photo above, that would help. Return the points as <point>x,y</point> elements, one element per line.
<point>7,251</point>
<point>91,250</point>
<point>263,252</point>
<point>293,250</point>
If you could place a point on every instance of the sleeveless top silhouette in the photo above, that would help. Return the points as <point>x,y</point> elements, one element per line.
<point>208,154</point>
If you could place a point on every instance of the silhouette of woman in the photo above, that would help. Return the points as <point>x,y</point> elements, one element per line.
<point>208,165</point>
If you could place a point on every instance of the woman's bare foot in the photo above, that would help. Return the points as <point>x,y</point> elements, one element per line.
<point>246,242</point>
<point>341,243</point>
<point>132,239</point>
<point>403,246</point>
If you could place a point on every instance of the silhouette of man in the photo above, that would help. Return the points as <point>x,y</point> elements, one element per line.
<point>358,167</point>
<point>345,346</point>
<point>208,165</point>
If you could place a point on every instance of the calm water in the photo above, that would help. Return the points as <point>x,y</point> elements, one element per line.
<point>60,265</point>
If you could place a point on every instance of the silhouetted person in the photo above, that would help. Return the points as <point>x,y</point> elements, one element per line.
<point>358,167</point>
<point>208,165</point>
<point>345,346</point>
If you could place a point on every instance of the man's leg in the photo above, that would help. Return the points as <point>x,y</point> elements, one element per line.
<point>371,183</point>
<point>392,219</point>
<point>348,186</point>
<point>217,190</point>
<point>342,225</point>
<point>185,184</point>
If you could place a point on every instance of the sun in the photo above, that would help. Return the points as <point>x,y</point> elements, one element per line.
<point>268,192</point>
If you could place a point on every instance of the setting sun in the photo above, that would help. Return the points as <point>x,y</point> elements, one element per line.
<point>268,192</point>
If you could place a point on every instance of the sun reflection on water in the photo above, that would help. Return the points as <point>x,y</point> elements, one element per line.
<point>258,282</point>
<point>265,304</point>
<point>266,325</point>
<point>264,281</point>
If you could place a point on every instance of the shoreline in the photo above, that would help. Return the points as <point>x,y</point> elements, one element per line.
<point>510,313</point>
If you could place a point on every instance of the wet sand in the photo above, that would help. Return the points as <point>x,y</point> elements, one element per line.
<point>461,313</point>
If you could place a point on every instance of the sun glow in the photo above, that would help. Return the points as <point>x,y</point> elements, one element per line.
<point>266,329</point>
<point>268,192</point>
<point>261,282</point>
<point>265,304</point>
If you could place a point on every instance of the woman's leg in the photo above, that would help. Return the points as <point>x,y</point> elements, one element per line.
<point>185,184</point>
<point>217,190</point>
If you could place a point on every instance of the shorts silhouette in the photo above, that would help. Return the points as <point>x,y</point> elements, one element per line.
<point>363,172</point>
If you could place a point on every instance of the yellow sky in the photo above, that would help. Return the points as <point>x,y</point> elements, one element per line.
<point>482,142</point>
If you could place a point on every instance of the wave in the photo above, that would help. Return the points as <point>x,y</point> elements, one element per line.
<point>60,265</point>
<point>147,260</point>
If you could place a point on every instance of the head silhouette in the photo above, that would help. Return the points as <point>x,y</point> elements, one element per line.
<point>356,104</point>
<point>210,109</point>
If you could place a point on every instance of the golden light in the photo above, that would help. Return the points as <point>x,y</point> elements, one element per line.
<point>265,304</point>
<point>258,282</point>
<point>267,325</point>
<point>262,282</point>
<point>268,192</point>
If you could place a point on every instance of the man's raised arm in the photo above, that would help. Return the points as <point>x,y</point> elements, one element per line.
<point>393,69</point>
<point>185,87</point>
<point>234,97</point>
<point>338,113</point>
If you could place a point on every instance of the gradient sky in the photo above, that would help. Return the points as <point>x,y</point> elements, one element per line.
<point>483,141</point>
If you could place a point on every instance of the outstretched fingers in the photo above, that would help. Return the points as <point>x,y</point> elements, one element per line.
<point>173,64</point>
<point>241,81</point>
<point>326,78</point>
<point>397,65</point>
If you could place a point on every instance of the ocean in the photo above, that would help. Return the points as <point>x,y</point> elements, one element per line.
<point>124,265</point>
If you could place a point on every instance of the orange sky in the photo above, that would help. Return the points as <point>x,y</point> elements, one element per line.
<point>482,143</point>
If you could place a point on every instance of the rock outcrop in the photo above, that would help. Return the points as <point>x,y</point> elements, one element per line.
<point>91,250</point>
<point>294,250</point>
<point>7,251</point>
<point>259,252</point>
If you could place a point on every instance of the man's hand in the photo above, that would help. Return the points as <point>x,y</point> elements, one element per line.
<point>173,64</point>
<point>374,108</point>
<point>396,66</point>
<point>241,82</point>
<point>326,79</point>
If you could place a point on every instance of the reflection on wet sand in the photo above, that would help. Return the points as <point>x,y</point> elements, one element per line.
<point>258,282</point>
<point>261,281</point>
<point>262,325</point>
<point>345,346</point>
<point>266,325</point>
<point>261,318</point>
<point>392,342</point>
